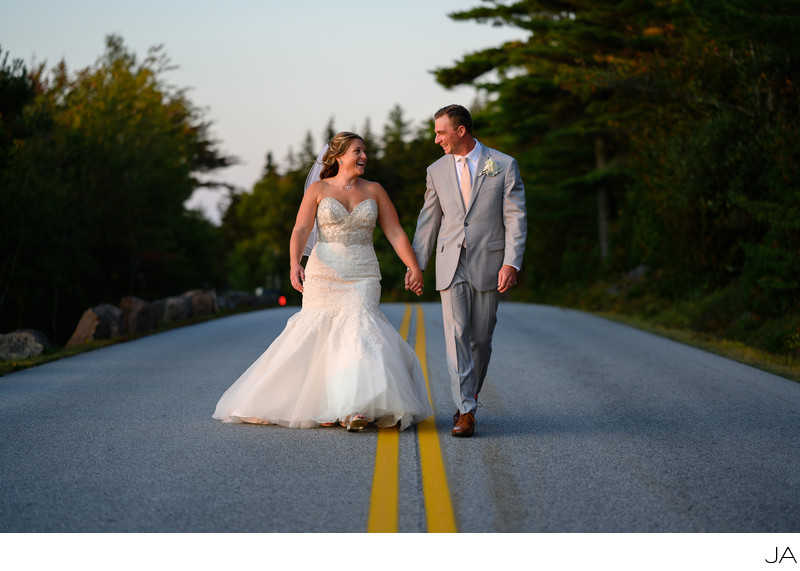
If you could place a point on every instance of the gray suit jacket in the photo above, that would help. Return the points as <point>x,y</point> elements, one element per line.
<point>493,227</point>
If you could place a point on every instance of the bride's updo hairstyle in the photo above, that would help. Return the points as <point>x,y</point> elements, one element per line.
<point>336,148</point>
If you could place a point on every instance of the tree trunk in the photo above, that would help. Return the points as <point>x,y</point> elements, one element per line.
<point>603,200</point>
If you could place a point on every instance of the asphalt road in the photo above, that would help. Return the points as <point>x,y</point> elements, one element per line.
<point>586,426</point>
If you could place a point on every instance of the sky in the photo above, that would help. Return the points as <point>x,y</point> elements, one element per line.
<point>268,72</point>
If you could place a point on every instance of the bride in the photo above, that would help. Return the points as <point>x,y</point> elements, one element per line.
<point>338,360</point>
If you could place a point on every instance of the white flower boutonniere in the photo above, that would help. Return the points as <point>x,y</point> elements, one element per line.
<point>491,168</point>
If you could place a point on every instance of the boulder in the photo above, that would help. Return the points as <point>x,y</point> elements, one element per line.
<point>22,344</point>
<point>100,322</point>
<point>203,302</point>
<point>638,273</point>
<point>138,315</point>
<point>177,308</point>
<point>160,306</point>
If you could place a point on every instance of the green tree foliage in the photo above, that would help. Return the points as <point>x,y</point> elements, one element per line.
<point>400,164</point>
<point>93,192</point>
<point>260,256</point>
<point>671,124</point>
<point>17,89</point>
<point>717,166</point>
<point>258,224</point>
<point>554,101</point>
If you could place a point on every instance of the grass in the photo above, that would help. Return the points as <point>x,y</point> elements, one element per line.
<point>716,321</point>
<point>778,364</point>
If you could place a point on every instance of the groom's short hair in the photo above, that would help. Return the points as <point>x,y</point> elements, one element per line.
<point>458,116</point>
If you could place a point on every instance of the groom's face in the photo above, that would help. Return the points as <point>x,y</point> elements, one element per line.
<point>451,140</point>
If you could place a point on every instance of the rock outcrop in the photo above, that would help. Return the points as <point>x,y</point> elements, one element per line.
<point>23,344</point>
<point>100,322</point>
<point>138,315</point>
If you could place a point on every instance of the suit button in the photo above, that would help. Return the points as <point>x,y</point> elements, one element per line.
<point>466,223</point>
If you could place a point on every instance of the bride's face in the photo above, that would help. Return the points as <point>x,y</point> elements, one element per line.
<point>355,158</point>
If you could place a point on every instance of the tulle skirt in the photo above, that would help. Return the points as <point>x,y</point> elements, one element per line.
<point>339,355</point>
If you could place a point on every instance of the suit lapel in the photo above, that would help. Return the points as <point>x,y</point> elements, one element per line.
<point>479,178</point>
<point>450,165</point>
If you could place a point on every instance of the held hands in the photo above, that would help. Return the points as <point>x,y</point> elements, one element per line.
<point>297,275</point>
<point>506,278</point>
<point>414,281</point>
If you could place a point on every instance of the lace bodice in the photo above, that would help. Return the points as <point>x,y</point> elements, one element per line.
<point>337,225</point>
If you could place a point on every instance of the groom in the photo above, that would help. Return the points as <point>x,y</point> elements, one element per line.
<point>474,217</point>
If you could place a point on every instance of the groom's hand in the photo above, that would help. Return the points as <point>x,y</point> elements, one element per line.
<point>413,281</point>
<point>506,278</point>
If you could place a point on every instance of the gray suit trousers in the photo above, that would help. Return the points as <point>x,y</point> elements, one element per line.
<point>469,319</point>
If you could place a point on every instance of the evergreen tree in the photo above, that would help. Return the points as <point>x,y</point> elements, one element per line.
<point>105,218</point>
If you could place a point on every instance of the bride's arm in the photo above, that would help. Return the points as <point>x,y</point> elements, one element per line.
<point>302,229</point>
<point>390,224</point>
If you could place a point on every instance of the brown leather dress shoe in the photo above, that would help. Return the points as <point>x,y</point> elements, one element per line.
<point>456,417</point>
<point>465,425</point>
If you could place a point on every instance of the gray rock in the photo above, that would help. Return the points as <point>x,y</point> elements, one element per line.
<point>100,322</point>
<point>23,344</point>
<point>177,308</point>
<point>138,315</point>
<point>202,302</point>
<point>160,306</point>
<point>638,273</point>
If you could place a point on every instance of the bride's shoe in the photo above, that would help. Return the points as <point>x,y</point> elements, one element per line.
<point>355,422</point>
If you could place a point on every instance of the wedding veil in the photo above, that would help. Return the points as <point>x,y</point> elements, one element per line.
<point>313,176</point>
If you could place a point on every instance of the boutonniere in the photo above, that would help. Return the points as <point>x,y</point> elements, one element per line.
<point>491,168</point>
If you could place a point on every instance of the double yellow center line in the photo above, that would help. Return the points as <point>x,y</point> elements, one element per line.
<point>384,505</point>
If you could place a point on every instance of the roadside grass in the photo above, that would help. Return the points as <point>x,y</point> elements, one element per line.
<point>778,364</point>
<point>715,322</point>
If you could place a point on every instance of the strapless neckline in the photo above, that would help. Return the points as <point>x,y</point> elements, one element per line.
<point>343,206</point>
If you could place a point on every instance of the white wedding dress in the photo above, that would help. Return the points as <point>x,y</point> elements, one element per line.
<point>339,355</point>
